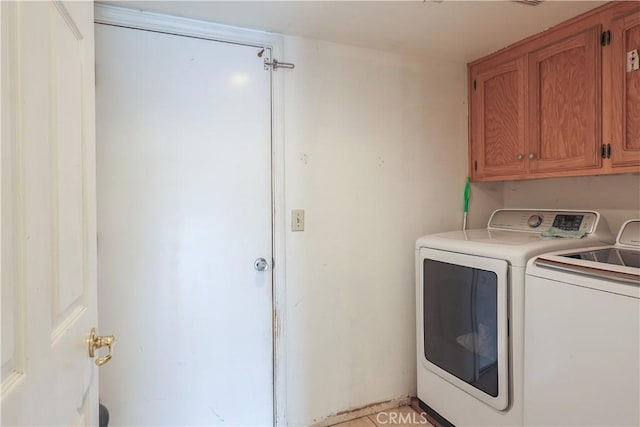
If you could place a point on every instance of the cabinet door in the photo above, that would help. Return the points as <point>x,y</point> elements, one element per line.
<point>565,104</point>
<point>498,120</point>
<point>624,95</point>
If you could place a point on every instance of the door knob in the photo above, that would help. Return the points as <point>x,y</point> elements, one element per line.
<point>96,342</point>
<point>532,156</point>
<point>261,264</point>
<point>520,157</point>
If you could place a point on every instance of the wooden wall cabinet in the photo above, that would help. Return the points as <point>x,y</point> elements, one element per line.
<point>498,119</point>
<point>623,96</point>
<point>564,104</point>
<point>560,103</point>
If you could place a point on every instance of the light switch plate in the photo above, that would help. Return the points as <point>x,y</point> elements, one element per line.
<point>633,61</point>
<point>297,220</point>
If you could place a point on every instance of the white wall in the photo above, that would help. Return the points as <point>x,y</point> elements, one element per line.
<point>376,155</point>
<point>616,197</point>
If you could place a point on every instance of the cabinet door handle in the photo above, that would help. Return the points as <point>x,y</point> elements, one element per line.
<point>520,157</point>
<point>532,156</point>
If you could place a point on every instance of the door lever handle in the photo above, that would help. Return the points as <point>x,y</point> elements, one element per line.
<point>96,342</point>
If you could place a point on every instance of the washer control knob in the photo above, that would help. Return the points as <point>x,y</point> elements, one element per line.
<point>534,221</point>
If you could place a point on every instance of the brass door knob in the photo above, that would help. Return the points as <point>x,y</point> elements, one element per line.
<point>96,342</point>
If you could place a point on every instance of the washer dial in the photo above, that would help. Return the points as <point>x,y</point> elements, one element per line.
<point>534,221</point>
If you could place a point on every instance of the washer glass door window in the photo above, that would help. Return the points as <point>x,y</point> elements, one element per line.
<point>464,322</point>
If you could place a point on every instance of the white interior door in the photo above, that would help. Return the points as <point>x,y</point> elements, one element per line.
<point>184,210</point>
<point>48,213</point>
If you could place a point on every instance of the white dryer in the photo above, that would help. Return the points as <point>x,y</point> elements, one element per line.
<point>470,319</point>
<point>582,334</point>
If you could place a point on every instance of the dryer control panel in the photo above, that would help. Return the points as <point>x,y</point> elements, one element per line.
<point>540,220</point>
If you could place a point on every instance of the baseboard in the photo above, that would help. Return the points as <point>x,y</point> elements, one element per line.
<point>362,411</point>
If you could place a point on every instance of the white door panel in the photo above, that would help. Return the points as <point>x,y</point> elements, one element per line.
<point>184,198</point>
<point>48,214</point>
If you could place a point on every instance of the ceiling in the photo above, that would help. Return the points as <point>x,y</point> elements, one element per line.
<point>448,30</point>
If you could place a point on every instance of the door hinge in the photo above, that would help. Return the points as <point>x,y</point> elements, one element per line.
<point>475,165</point>
<point>474,85</point>
<point>605,38</point>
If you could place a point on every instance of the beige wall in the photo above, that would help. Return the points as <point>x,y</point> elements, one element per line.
<point>616,197</point>
<point>376,155</point>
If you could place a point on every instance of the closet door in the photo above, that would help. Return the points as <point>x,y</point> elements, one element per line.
<point>185,229</point>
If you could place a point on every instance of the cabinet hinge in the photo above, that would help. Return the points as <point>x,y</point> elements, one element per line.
<point>475,165</point>
<point>608,151</point>
<point>605,38</point>
<point>474,85</point>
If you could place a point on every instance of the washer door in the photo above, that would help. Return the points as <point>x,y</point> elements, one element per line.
<point>462,322</point>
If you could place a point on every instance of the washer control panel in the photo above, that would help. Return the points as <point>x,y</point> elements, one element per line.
<point>568,222</point>
<point>541,220</point>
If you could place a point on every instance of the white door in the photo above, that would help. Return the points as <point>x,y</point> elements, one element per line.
<point>184,211</point>
<point>48,214</point>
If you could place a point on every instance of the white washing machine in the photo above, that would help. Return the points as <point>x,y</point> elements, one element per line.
<point>470,319</point>
<point>582,335</point>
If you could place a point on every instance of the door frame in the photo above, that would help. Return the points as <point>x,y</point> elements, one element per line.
<point>168,24</point>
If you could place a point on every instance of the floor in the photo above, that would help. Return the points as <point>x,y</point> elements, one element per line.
<point>400,417</point>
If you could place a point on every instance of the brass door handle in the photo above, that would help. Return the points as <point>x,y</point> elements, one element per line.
<point>96,342</point>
